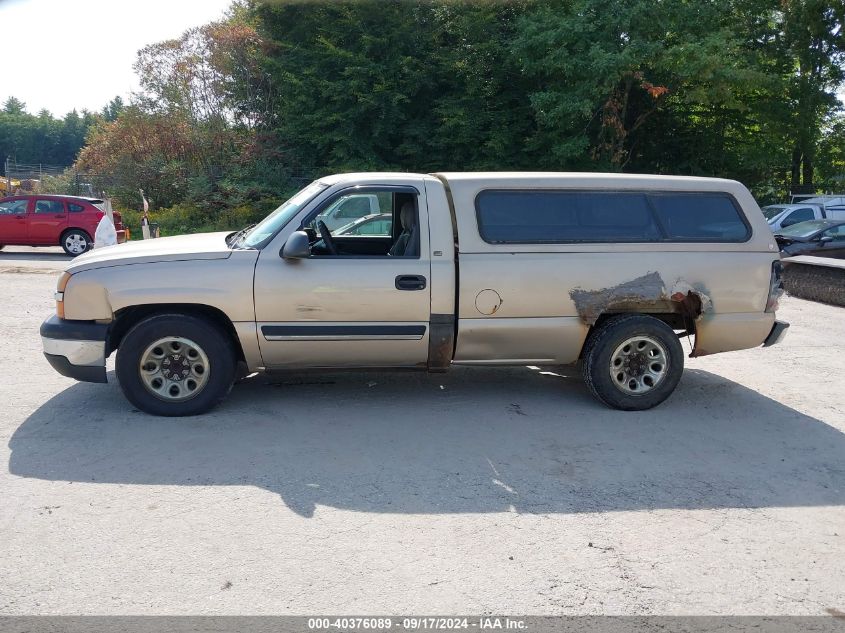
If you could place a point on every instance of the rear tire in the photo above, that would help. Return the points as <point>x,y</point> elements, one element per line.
<point>632,362</point>
<point>75,242</point>
<point>175,365</point>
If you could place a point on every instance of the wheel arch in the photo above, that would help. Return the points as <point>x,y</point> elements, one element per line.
<point>126,318</point>
<point>68,229</point>
<point>680,320</point>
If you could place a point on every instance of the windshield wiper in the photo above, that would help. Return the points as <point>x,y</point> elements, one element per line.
<point>237,237</point>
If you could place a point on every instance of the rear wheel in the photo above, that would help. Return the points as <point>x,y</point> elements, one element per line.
<point>632,362</point>
<point>75,242</point>
<point>175,365</point>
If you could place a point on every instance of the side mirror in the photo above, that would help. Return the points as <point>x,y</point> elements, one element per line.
<point>824,239</point>
<point>297,247</point>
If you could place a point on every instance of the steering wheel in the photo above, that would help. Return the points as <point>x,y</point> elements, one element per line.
<point>326,236</point>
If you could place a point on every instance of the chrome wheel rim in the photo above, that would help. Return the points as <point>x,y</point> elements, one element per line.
<point>76,243</point>
<point>639,365</point>
<point>174,369</point>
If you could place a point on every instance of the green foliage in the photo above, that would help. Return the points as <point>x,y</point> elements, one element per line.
<point>61,184</point>
<point>703,88</point>
<point>41,138</point>
<point>831,156</point>
<point>113,109</point>
<point>378,85</point>
<point>606,75</point>
<point>14,105</point>
<point>191,218</point>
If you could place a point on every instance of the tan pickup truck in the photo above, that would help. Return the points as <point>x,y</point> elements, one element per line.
<point>436,270</point>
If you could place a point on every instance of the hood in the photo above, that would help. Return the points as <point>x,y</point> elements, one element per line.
<point>791,239</point>
<point>162,249</point>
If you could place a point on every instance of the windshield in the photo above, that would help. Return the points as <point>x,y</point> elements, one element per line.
<point>270,225</point>
<point>804,229</point>
<point>771,211</point>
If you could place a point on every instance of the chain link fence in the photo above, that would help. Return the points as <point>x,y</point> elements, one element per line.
<point>21,178</point>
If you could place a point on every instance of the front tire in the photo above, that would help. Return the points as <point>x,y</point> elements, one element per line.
<point>176,365</point>
<point>75,242</point>
<point>632,362</point>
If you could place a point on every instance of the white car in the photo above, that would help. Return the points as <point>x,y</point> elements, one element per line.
<point>780,216</point>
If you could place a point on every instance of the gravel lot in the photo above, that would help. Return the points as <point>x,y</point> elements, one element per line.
<point>482,490</point>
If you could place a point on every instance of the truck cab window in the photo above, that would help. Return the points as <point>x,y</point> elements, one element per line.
<point>366,224</point>
<point>354,206</point>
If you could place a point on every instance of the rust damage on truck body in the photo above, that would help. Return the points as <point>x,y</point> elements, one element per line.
<point>647,294</point>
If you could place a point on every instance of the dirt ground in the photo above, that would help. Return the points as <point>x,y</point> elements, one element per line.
<point>478,491</point>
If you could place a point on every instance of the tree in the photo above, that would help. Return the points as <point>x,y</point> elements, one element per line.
<point>113,109</point>
<point>375,85</point>
<point>14,105</point>
<point>602,76</point>
<point>141,150</point>
<point>41,138</point>
<point>481,97</point>
<point>831,154</point>
<point>813,45</point>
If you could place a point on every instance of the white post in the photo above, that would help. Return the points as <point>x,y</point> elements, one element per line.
<point>145,220</point>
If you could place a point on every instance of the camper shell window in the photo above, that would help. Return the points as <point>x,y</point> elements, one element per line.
<point>560,217</point>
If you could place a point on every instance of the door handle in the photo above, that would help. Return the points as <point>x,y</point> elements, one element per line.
<point>20,217</point>
<point>410,282</point>
<point>60,216</point>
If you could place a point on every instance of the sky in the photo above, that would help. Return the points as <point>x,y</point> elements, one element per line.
<point>66,54</point>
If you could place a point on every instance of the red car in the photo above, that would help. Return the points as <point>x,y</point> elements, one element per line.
<point>46,220</point>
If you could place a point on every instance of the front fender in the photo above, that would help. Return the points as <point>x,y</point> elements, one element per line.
<point>225,284</point>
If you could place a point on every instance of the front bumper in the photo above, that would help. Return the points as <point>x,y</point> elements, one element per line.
<point>776,335</point>
<point>76,349</point>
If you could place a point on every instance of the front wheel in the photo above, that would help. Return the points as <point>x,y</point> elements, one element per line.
<point>632,362</point>
<point>175,365</point>
<point>75,242</point>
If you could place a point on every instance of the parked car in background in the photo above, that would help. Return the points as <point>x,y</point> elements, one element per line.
<point>822,238</point>
<point>781,216</point>
<point>51,220</point>
<point>377,224</point>
<point>349,209</point>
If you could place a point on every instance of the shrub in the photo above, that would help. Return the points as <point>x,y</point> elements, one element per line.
<point>192,218</point>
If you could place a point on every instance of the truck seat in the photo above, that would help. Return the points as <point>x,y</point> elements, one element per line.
<point>407,244</point>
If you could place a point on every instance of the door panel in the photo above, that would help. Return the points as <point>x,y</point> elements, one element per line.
<point>13,227</point>
<point>836,248</point>
<point>341,312</point>
<point>832,249</point>
<point>47,220</point>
